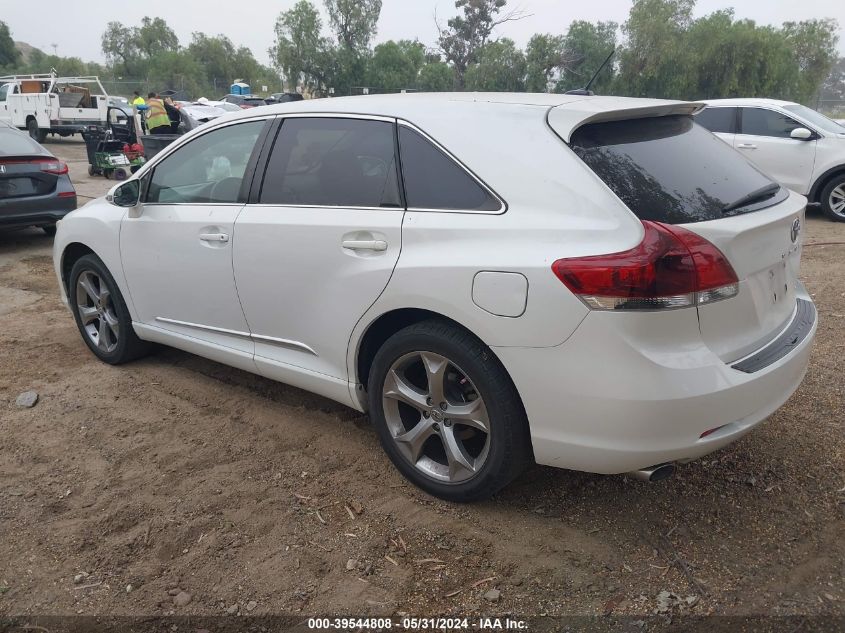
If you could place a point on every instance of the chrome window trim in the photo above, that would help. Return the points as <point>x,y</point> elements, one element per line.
<point>503,206</point>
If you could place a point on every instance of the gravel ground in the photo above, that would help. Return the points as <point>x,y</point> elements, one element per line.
<point>178,485</point>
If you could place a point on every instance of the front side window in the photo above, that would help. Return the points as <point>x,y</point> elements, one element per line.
<point>718,120</point>
<point>760,122</point>
<point>434,181</point>
<point>332,162</point>
<point>816,118</point>
<point>209,169</point>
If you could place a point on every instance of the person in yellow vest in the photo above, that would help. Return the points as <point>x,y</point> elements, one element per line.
<point>138,100</point>
<point>157,120</point>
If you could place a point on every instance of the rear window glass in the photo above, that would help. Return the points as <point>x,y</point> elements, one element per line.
<point>14,143</point>
<point>668,169</point>
<point>721,120</point>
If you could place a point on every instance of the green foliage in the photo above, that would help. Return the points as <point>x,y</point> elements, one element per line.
<point>500,67</point>
<point>466,33</point>
<point>301,54</point>
<point>9,55</point>
<point>435,76</point>
<point>545,56</point>
<point>354,22</point>
<point>396,65</point>
<point>587,46</point>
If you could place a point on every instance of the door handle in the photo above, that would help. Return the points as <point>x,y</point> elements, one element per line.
<point>214,237</point>
<point>747,146</point>
<point>365,245</point>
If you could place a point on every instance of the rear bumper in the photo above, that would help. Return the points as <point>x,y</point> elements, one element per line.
<point>629,391</point>
<point>35,211</point>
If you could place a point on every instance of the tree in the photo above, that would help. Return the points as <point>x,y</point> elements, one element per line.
<point>154,36</point>
<point>301,54</point>
<point>133,48</point>
<point>501,67</point>
<point>10,57</point>
<point>834,86</point>
<point>545,56</point>
<point>435,76</point>
<point>467,33</point>
<point>587,46</point>
<point>396,65</point>
<point>354,22</point>
<point>813,45</point>
<point>649,61</point>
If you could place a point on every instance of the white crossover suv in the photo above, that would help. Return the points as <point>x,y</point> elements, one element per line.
<point>591,283</point>
<point>797,146</point>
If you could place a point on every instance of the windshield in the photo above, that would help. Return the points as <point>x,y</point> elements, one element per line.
<point>815,118</point>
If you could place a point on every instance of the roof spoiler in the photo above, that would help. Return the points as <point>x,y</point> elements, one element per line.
<point>566,118</point>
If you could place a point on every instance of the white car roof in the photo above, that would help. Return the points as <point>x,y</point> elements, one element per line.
<point>566,113</point>
<point>747,102</point>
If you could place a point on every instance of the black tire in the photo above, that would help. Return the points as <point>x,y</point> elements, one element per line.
<point>837,183</point>
<point>128,346</point>
<point>49,229</point>
<point>120,174</point>
<point>35,132</point>
<point>509,448</point>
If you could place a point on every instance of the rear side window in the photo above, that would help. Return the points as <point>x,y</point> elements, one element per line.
<point>333,163</point>
<point>434,181</point>
<point>722,120</point>
<point>668,169</point>
<point>760,122</point>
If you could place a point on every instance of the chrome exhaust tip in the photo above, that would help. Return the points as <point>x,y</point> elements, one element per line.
<point>654,473</point>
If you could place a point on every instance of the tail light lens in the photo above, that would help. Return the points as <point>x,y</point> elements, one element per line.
<point>47,165</point>
<point>57,167</point>
<point>670,268</point>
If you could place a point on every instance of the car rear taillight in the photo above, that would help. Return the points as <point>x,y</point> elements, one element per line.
<point>671,268</point>
<point>47,165</point>
<point>57,167</point>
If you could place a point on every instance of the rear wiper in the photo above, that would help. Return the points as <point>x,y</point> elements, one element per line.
<point>757,195</point>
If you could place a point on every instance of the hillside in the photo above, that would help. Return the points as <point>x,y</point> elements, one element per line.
<point>26,51</point>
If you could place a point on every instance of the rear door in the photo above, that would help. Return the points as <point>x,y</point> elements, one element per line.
<point>320,243</point>
<point>666,169</point>
<point>764,138</point>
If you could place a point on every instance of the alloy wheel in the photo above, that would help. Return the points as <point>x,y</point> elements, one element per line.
<point>837,200</point>
<point>436,417</point>
<point>96,311</point>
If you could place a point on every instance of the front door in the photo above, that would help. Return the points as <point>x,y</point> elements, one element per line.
<point>177,255</point>
<point>319,249</point>
<point>764,139</point>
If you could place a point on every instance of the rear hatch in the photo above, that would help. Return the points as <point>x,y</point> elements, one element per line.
<point>667,169</point>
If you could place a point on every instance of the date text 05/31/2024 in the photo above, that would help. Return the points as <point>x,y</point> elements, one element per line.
<point>418,624</point>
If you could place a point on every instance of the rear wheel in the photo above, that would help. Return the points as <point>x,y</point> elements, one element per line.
<point>447,413</point>
<point>35,132</point>
<point>833,198</point>
<point>101,314</point>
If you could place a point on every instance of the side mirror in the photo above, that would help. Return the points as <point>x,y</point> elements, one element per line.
<point>126,194</point>
<point>801,134</point>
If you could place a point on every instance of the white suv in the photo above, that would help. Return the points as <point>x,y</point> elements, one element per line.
<point>592,283</point>
<point>797,146</point>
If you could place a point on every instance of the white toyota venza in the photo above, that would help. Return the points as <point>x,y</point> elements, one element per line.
<point>592,283</point>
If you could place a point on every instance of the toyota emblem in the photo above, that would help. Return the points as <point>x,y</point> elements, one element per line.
<point>796,230</point>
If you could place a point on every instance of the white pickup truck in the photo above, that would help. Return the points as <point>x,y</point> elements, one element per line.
<point>48,104</point>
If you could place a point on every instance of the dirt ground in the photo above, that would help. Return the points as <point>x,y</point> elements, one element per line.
<point>177,473</point>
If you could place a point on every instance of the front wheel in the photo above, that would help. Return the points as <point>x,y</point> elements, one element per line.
<point>833,199</point>
<point>447,413</point>
<point>101,313</point>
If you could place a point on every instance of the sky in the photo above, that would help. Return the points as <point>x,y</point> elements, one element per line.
<point>250,22</point>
